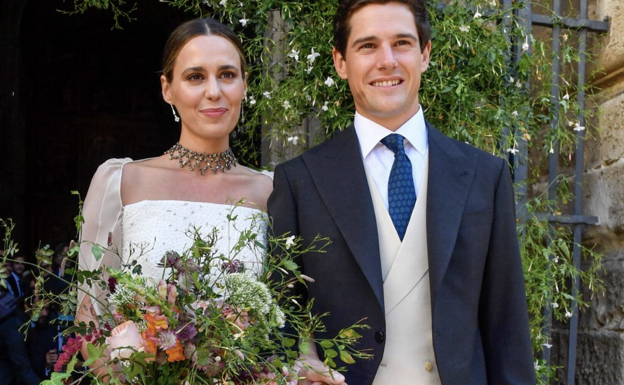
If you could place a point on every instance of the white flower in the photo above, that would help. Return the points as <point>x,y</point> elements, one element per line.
<point>294,55</point>
<point>566,96</point>
<point>294,140</point>
<point>309,69</point>
<point>477,14</point>
<point>244,22</point>
<point>518,84</point>
<point>515,113</point>
<point>578,127</point>
<point>286,104</point>
<point>325,108</point>
<point>290,240</point>
<point>547,346</point>
<point>511,79</point>
<point>552,150</point>
<point>525,46</point>
<point>537,365</point>
<point>555,305</point>
<point>223,3</point>
<point>329,82</point>
<point>464,28</point>
<point>311,57</point>
<point>267,94</point>
<point>565,36</point>
<point>568,313</point>
<point>252,101</point>
<point>512,150</point>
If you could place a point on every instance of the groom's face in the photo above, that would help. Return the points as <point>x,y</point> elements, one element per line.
<point>383,63</point>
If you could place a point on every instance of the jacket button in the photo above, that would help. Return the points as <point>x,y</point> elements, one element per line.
<point>428,366</point>
<point>379,337</point>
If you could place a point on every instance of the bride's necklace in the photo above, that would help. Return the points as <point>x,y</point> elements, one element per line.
<point>215,162</point>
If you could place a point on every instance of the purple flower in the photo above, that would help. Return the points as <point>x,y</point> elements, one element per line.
<point>186,332</point>
<point>232,267</point>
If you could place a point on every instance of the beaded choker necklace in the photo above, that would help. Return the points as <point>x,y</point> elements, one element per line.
<point>215,162</point>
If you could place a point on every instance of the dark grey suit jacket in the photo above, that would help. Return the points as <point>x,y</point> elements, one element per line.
<point>480,320</point>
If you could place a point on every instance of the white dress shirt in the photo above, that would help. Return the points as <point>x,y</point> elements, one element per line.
<point>378,159</point>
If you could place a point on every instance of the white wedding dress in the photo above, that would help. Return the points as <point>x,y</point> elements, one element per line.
<point>146,230</point>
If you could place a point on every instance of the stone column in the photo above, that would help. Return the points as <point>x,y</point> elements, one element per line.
<point>600,354</point>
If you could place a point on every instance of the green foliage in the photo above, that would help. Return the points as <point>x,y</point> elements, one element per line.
<point>473,91</point>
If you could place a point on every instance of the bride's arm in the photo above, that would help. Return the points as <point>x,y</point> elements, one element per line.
<point>101,211</point>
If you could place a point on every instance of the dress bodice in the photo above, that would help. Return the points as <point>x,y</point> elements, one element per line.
<point>151,228</point>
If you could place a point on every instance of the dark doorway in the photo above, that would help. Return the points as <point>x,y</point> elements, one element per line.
<point>87,93</point>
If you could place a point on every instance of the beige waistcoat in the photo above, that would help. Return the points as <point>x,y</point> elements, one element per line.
<point>408,356</point>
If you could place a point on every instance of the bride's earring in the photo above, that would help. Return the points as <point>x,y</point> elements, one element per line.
<point>242,109</point>
<point>175,116</point>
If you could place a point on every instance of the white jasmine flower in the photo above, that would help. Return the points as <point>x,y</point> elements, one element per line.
<point>514,114</point>
<point>554,305</point>
<point>325,108</point>
<point>329,82</point>
<point>309,69</point>
<point>464,28</point>
<point>552,150</point>
<point>267,94</point>
<point>578,127</point>
<point>244,22</point>
<point>511,79</point>
<point>294,55</point>
<point>223,3</point>
<point>286,104</point>
<point>512,150</point>
<point>565,36</point>
<point>294,140</point>
<point>311,57</point>
<point>518,84</point>
<point>525,46</point>
<point>290,240</point>
<point>566,96</point>
<point>568,313</point>
<point>252,101</point>
<point>537,365</point>
<point>477,15</point>
<point>547,346</point>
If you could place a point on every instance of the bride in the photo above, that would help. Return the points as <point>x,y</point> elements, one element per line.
<point>153,202</point>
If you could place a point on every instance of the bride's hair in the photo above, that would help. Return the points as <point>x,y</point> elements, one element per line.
<point>191,29</point>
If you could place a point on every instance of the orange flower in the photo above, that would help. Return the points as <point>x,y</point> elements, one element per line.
<point>176,353</point>
<point>157,322</point>
<point>150,340</point>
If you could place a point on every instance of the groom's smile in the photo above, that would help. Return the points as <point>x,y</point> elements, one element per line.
<point>383,63</point>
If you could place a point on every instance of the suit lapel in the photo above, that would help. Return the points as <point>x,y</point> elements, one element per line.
<point>451,173</point>
<point>338,174</point>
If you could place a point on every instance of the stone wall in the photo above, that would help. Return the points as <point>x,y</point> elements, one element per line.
<point>600,352</point>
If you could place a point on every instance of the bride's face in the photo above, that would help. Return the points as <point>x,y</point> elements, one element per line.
<point>207,89</point>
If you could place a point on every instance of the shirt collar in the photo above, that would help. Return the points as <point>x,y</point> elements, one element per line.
<point>370,133</point>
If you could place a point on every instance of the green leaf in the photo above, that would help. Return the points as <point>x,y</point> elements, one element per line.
<point>304,347</point>
<point>289,342</point>
<point>95,353</point>
<point>327,344</point>
<point>346,357</point>
<point>331,353</point>
<point>97,252</point>
<point>290,265</point>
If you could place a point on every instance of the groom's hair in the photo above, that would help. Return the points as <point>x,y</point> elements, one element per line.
<point>347,8</point>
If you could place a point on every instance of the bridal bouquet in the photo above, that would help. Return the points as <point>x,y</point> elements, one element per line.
<point>209,320</point>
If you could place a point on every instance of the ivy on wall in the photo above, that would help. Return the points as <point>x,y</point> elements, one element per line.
<point>473,91</point>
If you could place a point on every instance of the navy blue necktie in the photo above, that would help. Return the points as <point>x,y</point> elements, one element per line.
<point>401,191</point>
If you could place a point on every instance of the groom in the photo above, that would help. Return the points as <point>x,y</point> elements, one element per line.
<point>424,244</point>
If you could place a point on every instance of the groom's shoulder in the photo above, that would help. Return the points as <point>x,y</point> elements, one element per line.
<point>323,149</point>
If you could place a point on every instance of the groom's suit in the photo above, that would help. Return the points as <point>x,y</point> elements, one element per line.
<point>478,305</point>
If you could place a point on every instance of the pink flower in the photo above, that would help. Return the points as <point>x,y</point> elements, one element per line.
<point>162,289</point>
<point>125,339</point>
<point>172,294</point>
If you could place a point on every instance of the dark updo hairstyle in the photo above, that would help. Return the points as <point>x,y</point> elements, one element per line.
<point>347,8</point>
<point>191,29</point>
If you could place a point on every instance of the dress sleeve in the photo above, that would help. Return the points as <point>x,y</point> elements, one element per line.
<point>102,210</point>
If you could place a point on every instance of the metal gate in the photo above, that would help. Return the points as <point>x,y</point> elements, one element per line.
<point>582,25</point>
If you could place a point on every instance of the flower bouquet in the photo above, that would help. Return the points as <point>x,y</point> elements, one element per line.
<point>209,320</point>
